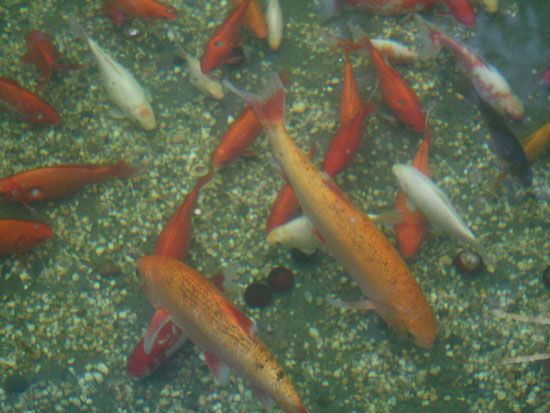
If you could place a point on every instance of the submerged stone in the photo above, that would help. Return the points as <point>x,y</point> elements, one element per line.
<point>280,279</point>
<point>16,383</point>
<point>258,295</point>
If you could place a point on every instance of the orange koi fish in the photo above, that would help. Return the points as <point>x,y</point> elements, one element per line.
<point>175,238</point>
<point>413,227</point>
<point>352,238</point>
<point>224,41</point>
<point>19,235</point>
<point>43,184</point>
<point>241,134</point>
<point>20,100</point>
<point>396,92</point>
<point>218,327</point>
<point>42,52</point>
<point>254,18</point>
<point>150,9</point>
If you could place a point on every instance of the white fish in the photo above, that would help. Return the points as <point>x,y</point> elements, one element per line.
<point>201,81</point>
<point>121,86</point>
<point>274,19</point>
<point>299,232</point>
<point>487,80</point>
<point>395,52</point>
<point>436,207</point>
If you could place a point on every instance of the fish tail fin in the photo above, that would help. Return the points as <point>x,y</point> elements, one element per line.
<point>429,45</point>
<point>122,169</point>
<point>268,105</point>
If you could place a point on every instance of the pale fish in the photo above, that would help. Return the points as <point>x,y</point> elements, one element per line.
<point>120,84</point>
<point>205,83</point>
<point>274,18</point>
<point>436,207</point>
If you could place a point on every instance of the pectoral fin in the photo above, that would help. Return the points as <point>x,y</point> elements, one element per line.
<point>219,369</point>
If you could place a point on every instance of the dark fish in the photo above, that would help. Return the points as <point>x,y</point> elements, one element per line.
<point>504,142</point>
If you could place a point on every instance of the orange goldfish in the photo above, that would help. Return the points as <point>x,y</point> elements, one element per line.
<point>19,235</point>
<point>352,238</point>
<point>396,92</point>
<point>42,52</point>
<point>224,41</point>
<point>151,9</point>
<point>175,238</point>
<point>412,228</point>
<point>284,207</point>
<point>254,18</point>
<point>20,100</point>
<point>240,135</point>
<point>350,100</point>
<point>43,184</point>
<point>219,328</point>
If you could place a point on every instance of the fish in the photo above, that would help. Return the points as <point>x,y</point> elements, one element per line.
<point>175,237</point>
<point>58,181</point>
<point>396,53</point>
<point>300,234</point>
<point>15,98</point>
<point>344,145</point>
<point>169,340</point>
<point>216,326</point>
<point>413,227</point>
<point>225,40</point>
<point>351,237</point>
<point>122,87</point>
<point>274,16</point>
<point>486,79</point>
<point>254,18</point>
<point>42,52</point>
<point>242,133</point>
<point>206,84</point>
<point>350,99</point>
<point>284,207</point>
<point>437,208</point>
<point>395,91</point>
<point>387,7</point>
<point>20,235</point>
<point>490,6</point>
<point>533,146</point>
<point>462,11</point>
<point>504,143</point>
<point>150,9</point>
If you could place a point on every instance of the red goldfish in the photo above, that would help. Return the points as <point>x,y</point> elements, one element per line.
<point>224,41</point>
<point>169,340</point>
<point>45,56</point>
<point>351,236</point>
<point>175,238</point>
<point>390,7</point>
<point>350,100</point>
<point>412,228</point>
<point>19,235</point>
<point>150,9</point>
<point>26,103</point>
<point>43,184</point>
<point>396,92</point>
<point>254,18</point>
<point>284,207</point>
<point>463,11</point>
<point>240,135</point>
<point>345,144</point>
<point>219,328</point>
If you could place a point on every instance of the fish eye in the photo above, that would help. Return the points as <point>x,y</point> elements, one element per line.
<point>219,43</point>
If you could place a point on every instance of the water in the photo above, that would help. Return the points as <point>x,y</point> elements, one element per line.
<point>64,313</point>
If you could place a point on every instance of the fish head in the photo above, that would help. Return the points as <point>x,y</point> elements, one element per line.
<point>216,52</point>
<point>167,12</point>
<point>140,364</point>
<point>145,117</point>
<point>45,114</point>
<point>513,107</point>
<point>402,173</point>
<point>9,190</point>
<point>37,233</point>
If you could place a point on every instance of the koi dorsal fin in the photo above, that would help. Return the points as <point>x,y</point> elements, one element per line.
<point>236,315</point>
<point>219,369</point>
